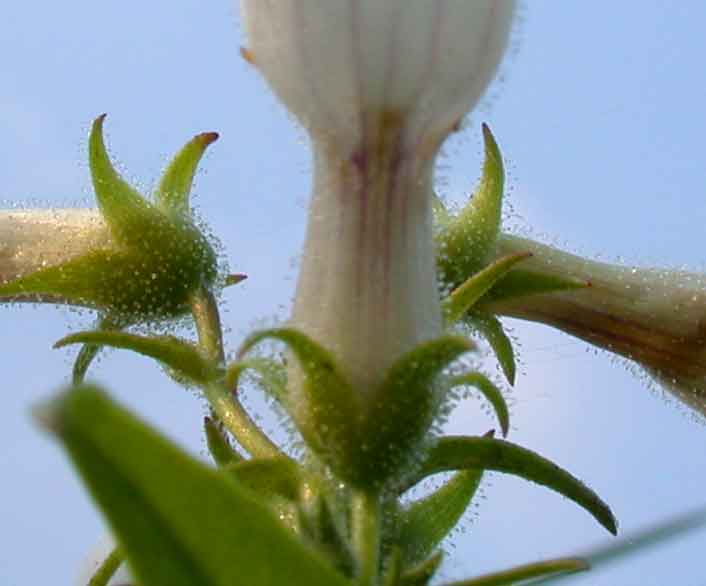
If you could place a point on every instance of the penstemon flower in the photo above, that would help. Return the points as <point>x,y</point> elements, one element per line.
<point>36,239</point>
<point>652,316</point>
<point>378,85</point>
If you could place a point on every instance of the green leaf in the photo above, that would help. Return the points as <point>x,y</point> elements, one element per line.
<point>425,523</point>
<point>268,477</point>
<point>638,542</point>
<point>466,242</point>
<point>527,572</point>
<point>170,351</point>
<point>179,522</point>
<point>492,330</point>
<point>175,186</point>
<point>483,453</point>
<point>520,283</point>
<point>490,392</point>
<point>88,352</point>
<point>403,408</point>
<point>218,444</point>
<point>464,297</point>
<point>421,574</point>
<point>326,408</point>
<point>271,376</point>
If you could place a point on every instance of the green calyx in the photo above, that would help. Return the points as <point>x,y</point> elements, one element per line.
<point>158,256</point>
<point>368,438</point>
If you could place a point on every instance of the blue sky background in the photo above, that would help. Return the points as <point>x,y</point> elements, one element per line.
<point>599,113</point>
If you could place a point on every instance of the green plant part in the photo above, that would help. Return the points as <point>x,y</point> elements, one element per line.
<point>153,257</point>
<point>466,242</point>
<point>368,438</point>
<point>487,453</point>
<point>179,522</point>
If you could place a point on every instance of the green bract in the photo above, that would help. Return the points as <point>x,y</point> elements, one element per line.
<point>157,256</point>
<point>368,438</point>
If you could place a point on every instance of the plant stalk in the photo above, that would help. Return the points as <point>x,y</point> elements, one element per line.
<point>365,527</point>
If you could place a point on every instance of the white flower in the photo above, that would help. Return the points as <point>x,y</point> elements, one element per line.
<point>378,84</point>
<point>652,316</point>
<point>34,239</point>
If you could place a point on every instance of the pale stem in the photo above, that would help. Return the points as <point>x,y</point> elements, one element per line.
<point>365,527</point>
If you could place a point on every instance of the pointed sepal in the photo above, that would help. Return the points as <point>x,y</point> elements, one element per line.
<point>522,283</point>
<point>467,241</point>
<point>128,215</point>
<point>403,408</point>
<point>328,411</point>
<point>174,189</point>
<point>465,296</point>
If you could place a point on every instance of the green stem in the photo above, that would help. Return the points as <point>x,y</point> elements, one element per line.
<point>208,324</point>
<point>238,422</point>
<point>224,406</point>
<point>365,527</point>
<point>106,570</point>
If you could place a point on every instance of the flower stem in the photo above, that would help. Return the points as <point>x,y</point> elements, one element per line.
<point>224,406</point>
<point>228,409</point>
<point>208,324</point>
<point>365,525</point>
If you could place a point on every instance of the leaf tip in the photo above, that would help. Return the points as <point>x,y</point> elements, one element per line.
<point>207,138</point>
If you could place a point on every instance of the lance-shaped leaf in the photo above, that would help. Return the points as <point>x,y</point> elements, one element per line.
<point>467,241</point>
<point>425,523</point>
<point>464,297</point>
<point>175,186</point>
<point>490,392</point>
<point>179,522</point>
<point>492,330</point>
<point>637,543</point>
<point>526,572</point>
<point>403,407</point>
<point>484,453</point>
<point>328,413</point>
<point>174,353</point>
<point>422,573</point>
<point>271,376</point>
<point>218,444</point>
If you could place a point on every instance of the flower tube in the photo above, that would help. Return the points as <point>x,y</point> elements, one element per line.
<point>35,239</point>
<point>378,85</point>
<point>652,316</point>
